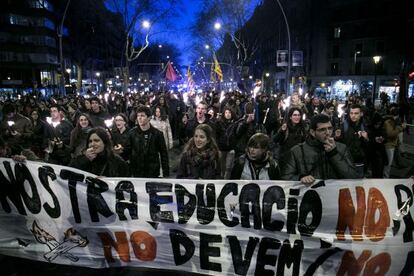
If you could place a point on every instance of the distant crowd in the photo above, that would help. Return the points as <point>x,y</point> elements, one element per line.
<point>221,136</point>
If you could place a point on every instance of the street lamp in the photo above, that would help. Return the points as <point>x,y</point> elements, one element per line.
<point>376,59</point>
<point>217,26</point>
<point>355,56</point>
<point>289,48</point>
<point>207,46</point>
<point>97,74</point>
<point>146,24</point>
<point>60,34</point>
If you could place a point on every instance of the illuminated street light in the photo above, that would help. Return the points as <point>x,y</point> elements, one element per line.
<point>217,26</point>
<point>267,75</point>
<point>289,47</point>
<point>159,46</point>
<point>146,24</point>
<point>376,59</point>
<point>207,46</point>
<point>117,76</point>
<point>68,70</point>
<point>355,56</point>
<point>251,77</point>
<point>98,74</point>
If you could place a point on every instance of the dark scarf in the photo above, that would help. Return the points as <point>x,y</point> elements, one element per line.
<point>258,164</point>
<point>202,158</point>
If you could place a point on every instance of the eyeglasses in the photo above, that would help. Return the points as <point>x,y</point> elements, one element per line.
<point>325,129</point>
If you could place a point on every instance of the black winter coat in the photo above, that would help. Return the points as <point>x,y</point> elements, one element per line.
<point>310,158</point>
<point>145,157</point>
<point>112,166</point>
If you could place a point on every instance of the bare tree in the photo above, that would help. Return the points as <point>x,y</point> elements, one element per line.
<point>137,36</point>
<point>232,15</point>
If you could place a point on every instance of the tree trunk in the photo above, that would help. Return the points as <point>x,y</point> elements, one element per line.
<point>125,72</point>
<point>79,78</point>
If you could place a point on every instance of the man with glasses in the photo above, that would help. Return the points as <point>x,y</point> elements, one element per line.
<point>320,157</point>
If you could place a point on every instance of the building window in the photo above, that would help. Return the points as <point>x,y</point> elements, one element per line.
<point>40,4</point>
<point>335,51</point>
<point>334,69</point>
<point>337,32</point>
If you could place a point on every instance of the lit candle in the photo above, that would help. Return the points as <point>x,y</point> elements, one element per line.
<point>109,122</point>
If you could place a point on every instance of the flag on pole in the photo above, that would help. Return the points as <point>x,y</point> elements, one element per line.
<point>217,69</point>
<point>212,73</point>
<point>190,80</point>
<point>170,75</point>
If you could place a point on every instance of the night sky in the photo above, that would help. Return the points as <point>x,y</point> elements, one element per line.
<point>182,37</point>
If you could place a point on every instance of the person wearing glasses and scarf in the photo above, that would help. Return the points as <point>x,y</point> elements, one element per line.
<point>319,157</point>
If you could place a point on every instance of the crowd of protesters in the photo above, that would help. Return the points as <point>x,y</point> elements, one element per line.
<point>222,136</point>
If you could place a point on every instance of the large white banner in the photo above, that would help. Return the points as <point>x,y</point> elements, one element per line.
<point>62,215</point>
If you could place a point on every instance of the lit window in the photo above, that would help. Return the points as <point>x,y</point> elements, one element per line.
<point>13,19</point>
<point>337,32</point>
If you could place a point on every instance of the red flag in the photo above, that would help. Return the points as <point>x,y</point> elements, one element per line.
<point>170,75</point>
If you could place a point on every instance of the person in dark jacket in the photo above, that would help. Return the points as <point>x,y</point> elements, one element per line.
<point>200,159</point>
<point>97,114</point>
<point>354,134</point>
<point>15,129</point>
<point>320,157</point>
<point>257,163</point>
<point>57,137</point>
<point>78,141</point>
<point>99,158</point>
<point>245,128</point>
<point>199,118</point>
<point>39,127</point>
<point>376,152</point>
<point>146,147</point>
<point>226,140</point>
<point>120,132</point>
<point>291,133</point>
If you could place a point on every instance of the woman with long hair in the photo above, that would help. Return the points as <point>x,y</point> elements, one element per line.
<point>120,135</point>
<point>38,131</point>
<point>160,121</point>
<point>201,156</point>
<point>291,133</point>
<point>78,135</point>
<point>85,106</point>
<point>99,158</point>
